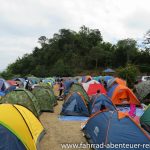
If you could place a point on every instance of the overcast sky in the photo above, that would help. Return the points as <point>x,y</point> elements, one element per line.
<point>22,22</point>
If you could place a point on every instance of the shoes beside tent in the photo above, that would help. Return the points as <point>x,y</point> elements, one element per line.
<point>75,105</point>
<point>19,128</point>
<point>43,97</point>
<point>24,98</point>
<point>116,128</point>
<point>100,102</point>
<point>145,119</point>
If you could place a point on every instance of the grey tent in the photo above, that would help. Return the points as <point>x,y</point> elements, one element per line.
<point>143,90</point>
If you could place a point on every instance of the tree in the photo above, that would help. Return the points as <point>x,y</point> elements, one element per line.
<point>129,73</point>
<point>42,40</point>
<point>147,40</point>
<point>126,51</point>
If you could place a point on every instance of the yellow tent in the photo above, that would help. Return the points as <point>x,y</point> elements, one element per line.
<point>22,123</point>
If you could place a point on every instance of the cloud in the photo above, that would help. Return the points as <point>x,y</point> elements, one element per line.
<point>23,22</point>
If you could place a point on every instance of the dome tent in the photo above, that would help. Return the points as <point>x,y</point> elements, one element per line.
<point>75,105</point>
<point>23,97</point>
<point>114,127</point>
<point>44,98</point>
<point>19,128</point>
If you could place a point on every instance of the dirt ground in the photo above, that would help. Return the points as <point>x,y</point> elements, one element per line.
<point>59,132</point>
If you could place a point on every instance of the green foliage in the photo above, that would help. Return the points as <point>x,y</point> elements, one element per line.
<point>60,69</point>
<point>126,51</point>
<point>129,73</point>
<point>69,52</point>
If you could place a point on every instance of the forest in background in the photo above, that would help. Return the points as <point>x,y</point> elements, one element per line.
<point>70,53</point>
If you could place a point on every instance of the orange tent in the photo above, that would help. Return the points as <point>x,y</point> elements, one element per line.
<point>120,81</point>
<point>123,95</point>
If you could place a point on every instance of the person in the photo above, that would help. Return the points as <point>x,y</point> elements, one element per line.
<point>27,84</point>
<point>61,87</point>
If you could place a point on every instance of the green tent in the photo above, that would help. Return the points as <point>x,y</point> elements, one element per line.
<point>76,87</point>
<point>34,80</point>
<point>24,98</point>
<point>145,119</point>
<point>44,98</point>
<point>50,89</point>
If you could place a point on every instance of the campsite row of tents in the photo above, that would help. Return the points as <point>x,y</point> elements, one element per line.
<point>115,107</point>
<point>20,109</point>
<point>41,98</point>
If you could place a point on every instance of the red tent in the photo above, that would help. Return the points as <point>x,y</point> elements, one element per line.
<point>93,88</point>
<point>11,82</point>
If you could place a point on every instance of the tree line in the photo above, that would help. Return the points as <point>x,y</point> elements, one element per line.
<point>70,53</point>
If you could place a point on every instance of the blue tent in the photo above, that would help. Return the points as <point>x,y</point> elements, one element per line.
<point>108,70</point>
<point>98,78</point>
<point>111,90</point>
<point>9,141</point>
<point>106,128</point>
<point>107,78</point>
<point>2,93</point>
<point>100,102</point>
<point>3,85</point>
<point>74,105</point>
<point>67,85</point>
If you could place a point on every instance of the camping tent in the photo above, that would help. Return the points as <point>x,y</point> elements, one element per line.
<point>34,80</point>
<point>44,98</point>
<point>20,81</point>
<point>75,105</point>
<point>50,90</point>
<point>3,85</point>
<point>12,82</point>
<point>100,102</point>
<point>86,85</point>
<point>116,81</point>
<point>109,70</point>
<point>24,98</point>
<point>93,88</point>
<point>98,78</point>
<point>105,79</point>
<point>76,87</point>
<point>19,128</point>
<point>145,119</point>
<point>86,78</point>
<point>50,81</point>
<point>67,86</point>
<point>116,128</point>
<point>143,90</point>
<point>121,95</point>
